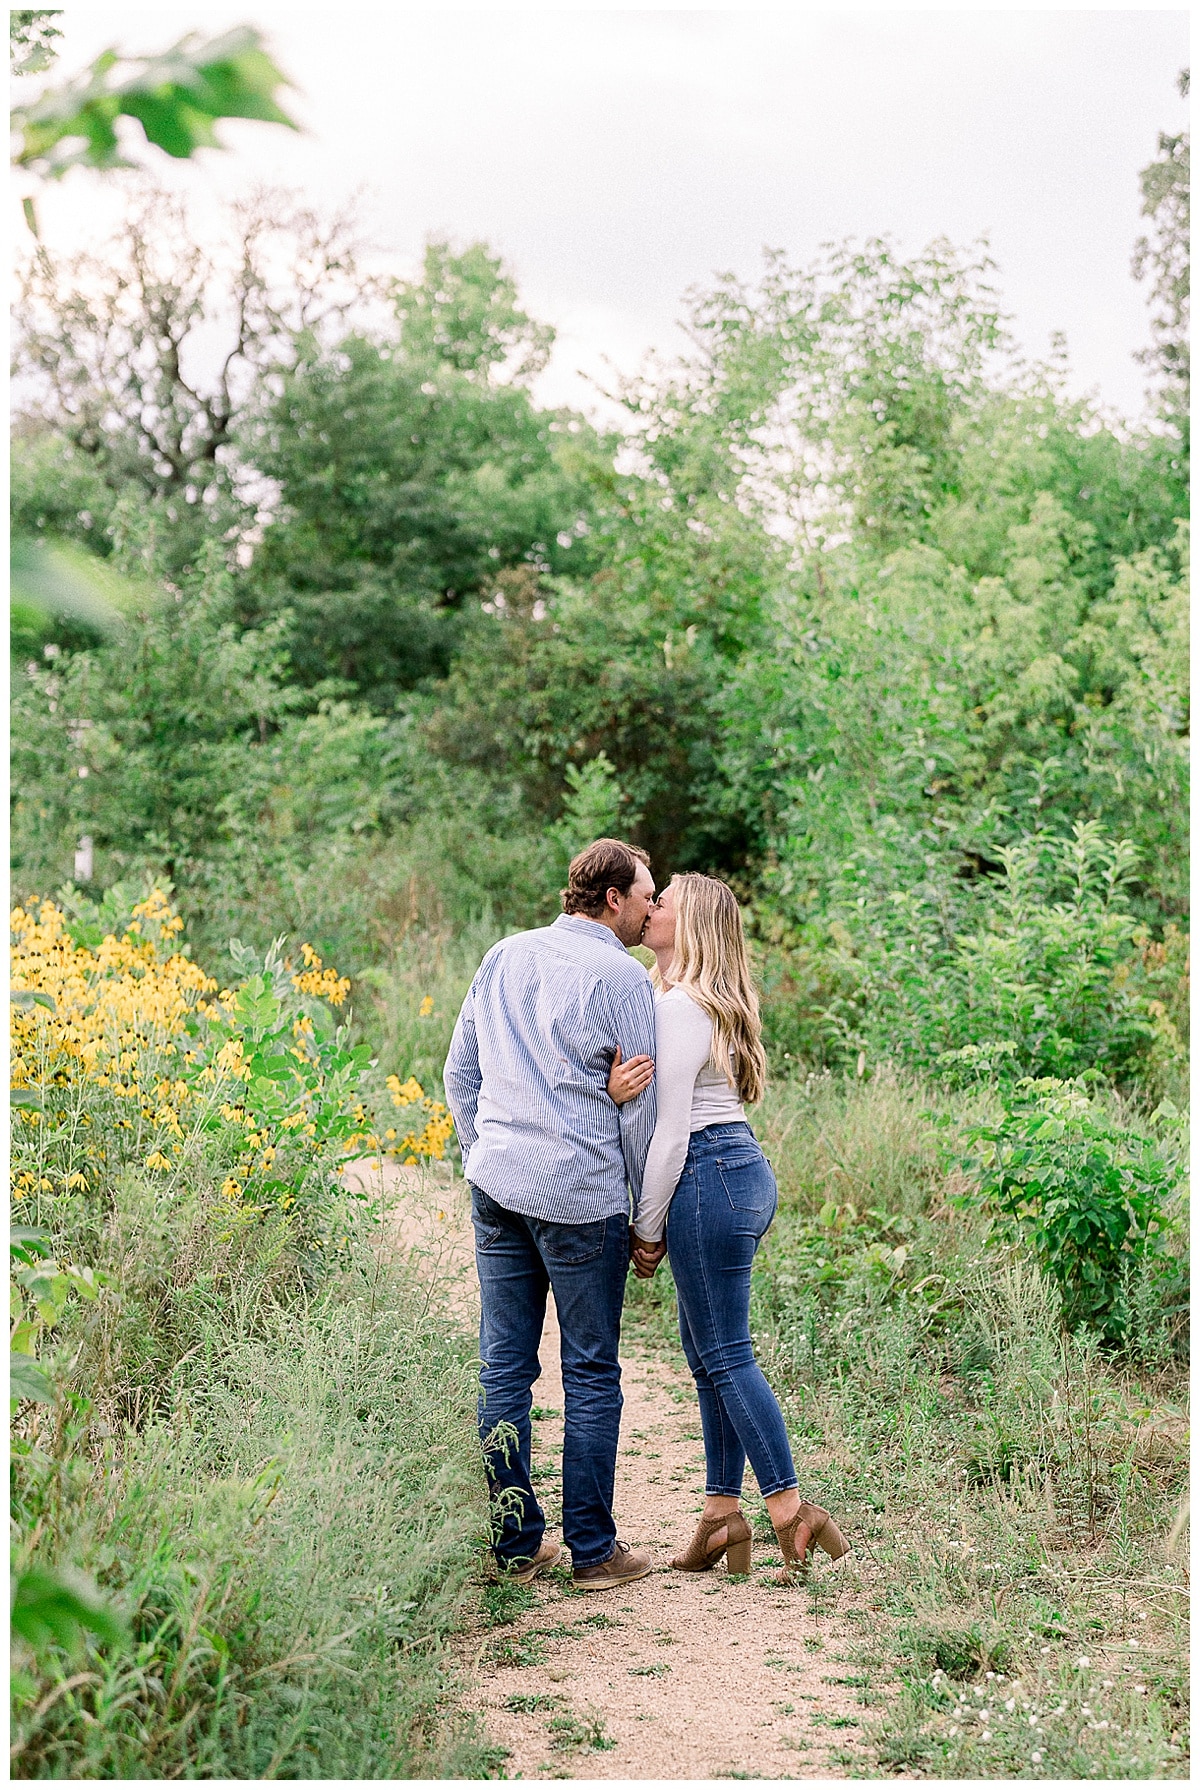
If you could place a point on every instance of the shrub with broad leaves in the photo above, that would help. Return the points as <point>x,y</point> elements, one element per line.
<point>1088,1196</point>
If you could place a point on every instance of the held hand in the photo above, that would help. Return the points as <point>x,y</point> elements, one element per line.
<point>645,1257</point>
<point>627,1080</point>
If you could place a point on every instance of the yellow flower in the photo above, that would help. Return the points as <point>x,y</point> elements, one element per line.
<point>325,984</point>
<point>157,1160</point>
<point>426,1007</point>
<point>405,1093</point>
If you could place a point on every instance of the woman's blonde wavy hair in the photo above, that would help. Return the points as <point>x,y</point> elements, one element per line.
<point>712,964</point>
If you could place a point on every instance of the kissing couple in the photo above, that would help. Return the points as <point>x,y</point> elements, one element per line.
<point>602,1123</point>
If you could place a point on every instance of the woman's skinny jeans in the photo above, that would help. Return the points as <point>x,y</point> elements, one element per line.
<point>720,1210</point>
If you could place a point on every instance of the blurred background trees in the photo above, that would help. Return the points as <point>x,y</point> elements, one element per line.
<point>855,604</point>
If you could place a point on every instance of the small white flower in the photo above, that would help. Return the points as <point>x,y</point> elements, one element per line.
<point>1102,1724</point>
<point>1045,1650</point>
<point>1106,1684</point>
<point>990,1676</point>
<point>1086,1708</point>
<point>1010,1704</point>
<point>1083,1662</point>
<point>986,1735</point>
<point>1033,1721</point>
<point>1037,1758</point>
<point>1135,1645</point>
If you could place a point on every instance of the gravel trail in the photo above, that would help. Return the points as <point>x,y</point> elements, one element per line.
<point>680,1675</point>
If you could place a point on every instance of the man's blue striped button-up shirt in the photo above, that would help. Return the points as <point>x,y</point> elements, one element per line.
<point>526,1078</point>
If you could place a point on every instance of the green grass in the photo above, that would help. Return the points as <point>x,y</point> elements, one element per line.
<point>282,1496</point>
<point>278,1483</point>
<point>1014,1493</point>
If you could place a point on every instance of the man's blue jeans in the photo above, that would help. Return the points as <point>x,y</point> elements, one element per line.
<point>519,1260</point>
<point>720,1211</point>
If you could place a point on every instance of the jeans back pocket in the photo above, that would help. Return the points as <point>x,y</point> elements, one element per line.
<point>747,1178</point>
<point>570,1245</point>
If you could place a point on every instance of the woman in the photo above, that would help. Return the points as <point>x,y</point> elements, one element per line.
<point>709,1187</point>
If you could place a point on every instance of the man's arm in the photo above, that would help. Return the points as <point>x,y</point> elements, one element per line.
<point>634,1021</point>
<point>462,1077</point>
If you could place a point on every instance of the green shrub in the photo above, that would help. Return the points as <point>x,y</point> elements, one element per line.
<point>1037,973</point>
<point>1087,1195</point>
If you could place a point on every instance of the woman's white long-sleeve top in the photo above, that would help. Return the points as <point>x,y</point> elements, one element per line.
<point>692,1093</point>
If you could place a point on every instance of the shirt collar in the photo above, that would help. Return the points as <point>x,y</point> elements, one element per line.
<point>592,929</point>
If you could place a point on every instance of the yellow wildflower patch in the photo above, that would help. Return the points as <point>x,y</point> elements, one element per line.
<point>134,1063</point>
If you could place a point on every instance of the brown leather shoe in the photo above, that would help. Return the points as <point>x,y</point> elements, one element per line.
<point>546,1556</point>
<point>796,1538</point>
<point>621,1568</point>
<point>701,1554</point>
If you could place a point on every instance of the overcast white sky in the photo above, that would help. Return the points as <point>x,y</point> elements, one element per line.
<point>616,157</point>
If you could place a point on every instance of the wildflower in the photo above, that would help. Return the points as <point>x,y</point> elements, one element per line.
<point>407,1093</point>
<point>426,1007</point>
<point>156,1159</point>
<point>314,979</point>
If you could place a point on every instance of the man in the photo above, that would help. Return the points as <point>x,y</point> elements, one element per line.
<point>552,1161</point>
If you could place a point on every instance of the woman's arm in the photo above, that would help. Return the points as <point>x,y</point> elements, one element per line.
<point>683,1044</point>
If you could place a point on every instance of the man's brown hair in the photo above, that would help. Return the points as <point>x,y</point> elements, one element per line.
<point>605,864</point>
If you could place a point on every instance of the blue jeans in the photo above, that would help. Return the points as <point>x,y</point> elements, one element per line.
<point>519,1260</point>
<point>721,1209</point>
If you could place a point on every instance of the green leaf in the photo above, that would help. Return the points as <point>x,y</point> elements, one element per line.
<point>32,997</point>
<point>54,1606</point>
<point>27,1380</point>
<point>176,98</point>
<point>26,1241</point>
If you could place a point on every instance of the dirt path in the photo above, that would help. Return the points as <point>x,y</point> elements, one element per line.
<point>679,1675</point>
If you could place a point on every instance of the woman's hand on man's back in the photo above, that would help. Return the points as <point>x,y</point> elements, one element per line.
<point>627,1080</point>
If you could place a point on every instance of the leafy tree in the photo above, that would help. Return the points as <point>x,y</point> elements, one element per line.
<point>412,467</point>
<point>830,394</point>
<point>464,311</point>
<point>556,676</point>
<point>176,746</point>
<point>109,361</point>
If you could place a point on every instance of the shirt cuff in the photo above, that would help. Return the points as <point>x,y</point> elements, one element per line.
<point>639,1233</point>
